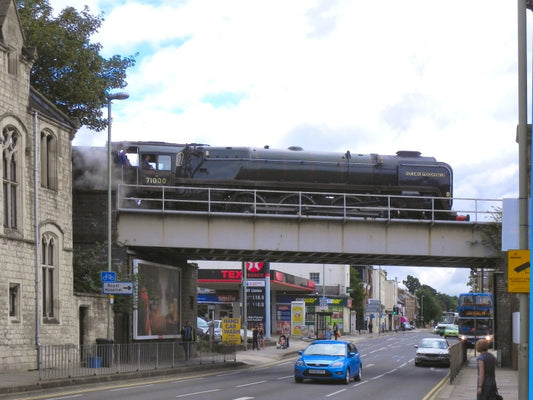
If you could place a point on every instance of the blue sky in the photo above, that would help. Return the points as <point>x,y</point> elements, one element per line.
<point>335,75</point>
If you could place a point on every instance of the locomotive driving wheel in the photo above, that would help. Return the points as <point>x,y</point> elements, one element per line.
<point>346,205</point>
<point>295,204</point>
<point>245,203</point>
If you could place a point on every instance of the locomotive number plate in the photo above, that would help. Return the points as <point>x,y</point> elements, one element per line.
<point>155,180</point>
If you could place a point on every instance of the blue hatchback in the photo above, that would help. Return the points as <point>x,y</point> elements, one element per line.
<point>328,360</point>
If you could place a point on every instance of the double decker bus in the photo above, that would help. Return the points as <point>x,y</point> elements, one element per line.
<point>476,317</point>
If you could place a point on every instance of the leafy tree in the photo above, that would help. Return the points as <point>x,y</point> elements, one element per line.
<point>88,262</point>
<point>412,284</point>
<point>431,308</point>
<point>69,71</point>
<point>357,293</point>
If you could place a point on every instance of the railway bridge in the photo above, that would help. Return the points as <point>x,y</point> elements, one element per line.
<point>245,230</point>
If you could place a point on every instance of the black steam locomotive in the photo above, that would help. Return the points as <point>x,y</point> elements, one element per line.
<point>269,179</point>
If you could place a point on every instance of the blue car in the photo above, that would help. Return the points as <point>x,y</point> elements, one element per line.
<point>328,360</point>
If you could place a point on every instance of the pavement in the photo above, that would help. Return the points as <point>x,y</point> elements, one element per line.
<point>462,388</point>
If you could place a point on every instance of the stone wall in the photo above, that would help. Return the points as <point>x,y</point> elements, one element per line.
<point>93,316</point>
<point>21,320</point>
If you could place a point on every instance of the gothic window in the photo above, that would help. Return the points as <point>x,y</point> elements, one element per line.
<point>9,143</point>
<point>14,301</point>
<point>12,64</point>
<point>49,276</point>
<point>48,160</point>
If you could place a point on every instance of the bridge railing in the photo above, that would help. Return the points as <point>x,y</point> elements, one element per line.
<point>299,204</point>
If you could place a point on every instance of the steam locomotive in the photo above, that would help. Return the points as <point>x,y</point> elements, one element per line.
<point>363,183</point>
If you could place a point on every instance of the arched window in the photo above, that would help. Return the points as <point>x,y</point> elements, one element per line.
<point>49,277</point>
<point>9,143</point>
<point>48,160</point>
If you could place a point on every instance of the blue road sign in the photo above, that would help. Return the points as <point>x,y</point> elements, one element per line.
<point>108,276</point>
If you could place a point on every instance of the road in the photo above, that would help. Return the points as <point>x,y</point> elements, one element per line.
<point>388,373</point>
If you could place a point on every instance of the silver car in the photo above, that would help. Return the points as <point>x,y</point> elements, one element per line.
<point>432,351</point>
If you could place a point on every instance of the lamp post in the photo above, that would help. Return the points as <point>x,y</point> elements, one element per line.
<point>422,309</point>
<point>110,98</point>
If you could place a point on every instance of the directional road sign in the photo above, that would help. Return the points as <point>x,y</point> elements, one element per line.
<point>117,287</point>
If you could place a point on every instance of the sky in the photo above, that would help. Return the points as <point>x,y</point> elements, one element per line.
<point>330,75</point>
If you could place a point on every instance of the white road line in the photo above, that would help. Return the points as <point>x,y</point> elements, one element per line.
<point>335,393</point>
<point>195,393</point>
<point>369,365</point>
<point>359,383</point>
<point>285,377</point>
<point>250,384</point>
<point>65,397</point>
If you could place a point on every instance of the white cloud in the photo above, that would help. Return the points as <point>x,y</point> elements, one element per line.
<point>367,76</point>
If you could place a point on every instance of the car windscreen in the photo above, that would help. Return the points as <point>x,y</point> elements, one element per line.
<point>326,349</point>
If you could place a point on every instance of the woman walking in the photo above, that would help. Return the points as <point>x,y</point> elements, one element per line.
<point>486,376</point>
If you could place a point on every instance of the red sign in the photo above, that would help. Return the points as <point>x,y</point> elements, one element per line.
<point>254,266</point>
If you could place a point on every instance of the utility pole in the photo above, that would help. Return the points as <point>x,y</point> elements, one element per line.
<point>523,351</point>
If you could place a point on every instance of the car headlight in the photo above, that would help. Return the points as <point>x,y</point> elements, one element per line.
<point>337,364</point>
<point>300,363</point>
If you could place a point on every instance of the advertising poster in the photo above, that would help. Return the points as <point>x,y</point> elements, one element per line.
<point>231,330</point>
<point>297,317</point>
<point>157,301</point>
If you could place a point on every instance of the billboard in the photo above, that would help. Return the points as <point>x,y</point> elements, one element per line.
<point>157,301</point>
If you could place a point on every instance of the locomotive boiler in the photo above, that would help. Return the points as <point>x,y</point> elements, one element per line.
<point>273,180</point>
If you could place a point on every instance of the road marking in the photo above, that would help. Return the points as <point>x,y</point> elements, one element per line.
<point>250,384</point>
<point>195,393</point>
<point>64,397</point>
<point>360,383</point>
<point>369,365</point>
<point>335,393</point>
<point>285,377</point>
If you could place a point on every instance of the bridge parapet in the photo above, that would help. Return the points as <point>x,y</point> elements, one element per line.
<point>297,204</point>
<point>207,229</point>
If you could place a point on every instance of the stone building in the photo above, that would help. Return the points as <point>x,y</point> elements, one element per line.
<point>36,203</point>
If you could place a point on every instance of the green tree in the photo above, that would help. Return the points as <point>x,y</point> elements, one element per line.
<point>88,262</point>
<point>70,71</point>
<point>431,310</point>
<point>412,284</point>
<point>357,293</point>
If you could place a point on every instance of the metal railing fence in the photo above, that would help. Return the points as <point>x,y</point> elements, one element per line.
<point>296,204</point>
<point>458,357</point>
<point>68,361</point>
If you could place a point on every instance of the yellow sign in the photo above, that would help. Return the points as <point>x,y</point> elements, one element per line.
<point>231,330</point>
<point>518,271</point>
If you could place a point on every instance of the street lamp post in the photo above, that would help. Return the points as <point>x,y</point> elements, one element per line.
<point>110,98</point>
<point>422,309</point>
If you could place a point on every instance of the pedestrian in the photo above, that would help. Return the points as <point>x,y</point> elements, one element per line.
<point>255,338</point>
<point>370,326</point>
<point>188,335</point>
<point>335,330</point>
<point>328,333</point>
<point>486,377</point>
<point>261,336</point>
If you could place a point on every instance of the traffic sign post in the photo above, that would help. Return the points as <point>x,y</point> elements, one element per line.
<point>117,287</point>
